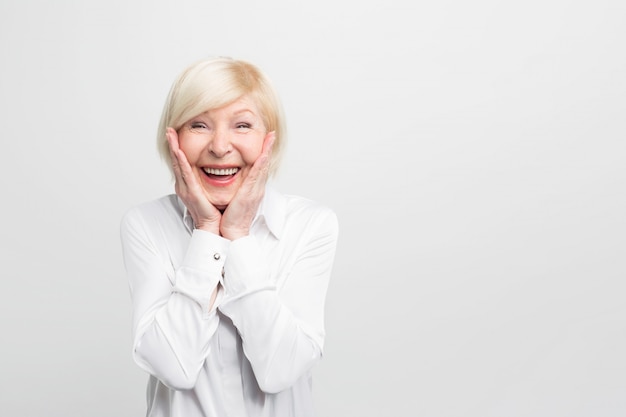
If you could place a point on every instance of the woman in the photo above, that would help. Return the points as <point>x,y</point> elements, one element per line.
<point>228,277</point>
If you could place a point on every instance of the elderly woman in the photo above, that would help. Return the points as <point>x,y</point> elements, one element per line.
<point>228,277</point>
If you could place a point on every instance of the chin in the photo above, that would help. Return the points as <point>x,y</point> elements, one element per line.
<point>220,204</point>
<point>219,198</point>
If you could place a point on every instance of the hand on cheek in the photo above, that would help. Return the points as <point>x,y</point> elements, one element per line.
<point>238,216</point>
<point>188,188</point>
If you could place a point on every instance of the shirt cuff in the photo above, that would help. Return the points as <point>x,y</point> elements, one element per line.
<point>245,271</point>
<point>201,269</point>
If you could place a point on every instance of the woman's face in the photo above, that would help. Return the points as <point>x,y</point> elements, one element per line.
<point>221,146</point>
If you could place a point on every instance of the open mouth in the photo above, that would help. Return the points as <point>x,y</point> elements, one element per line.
<point>220,174</point>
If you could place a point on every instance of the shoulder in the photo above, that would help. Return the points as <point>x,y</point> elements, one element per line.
<point>302,206</point>
<point>309,214</point>
<point>151,213</point>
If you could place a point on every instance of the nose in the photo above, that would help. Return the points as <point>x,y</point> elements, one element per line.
<point>220,144</point>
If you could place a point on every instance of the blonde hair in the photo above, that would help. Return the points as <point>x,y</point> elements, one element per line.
<point>216,82</point>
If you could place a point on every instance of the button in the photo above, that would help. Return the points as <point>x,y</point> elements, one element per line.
<point>216,256</point>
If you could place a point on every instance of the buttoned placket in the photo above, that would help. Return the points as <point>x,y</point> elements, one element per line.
<point>230,357</point>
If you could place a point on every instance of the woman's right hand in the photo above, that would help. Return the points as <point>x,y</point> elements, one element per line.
<point>204,214</point>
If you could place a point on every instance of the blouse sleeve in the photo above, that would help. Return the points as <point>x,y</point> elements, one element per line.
<point>282,331</point>
<point>172,322</point>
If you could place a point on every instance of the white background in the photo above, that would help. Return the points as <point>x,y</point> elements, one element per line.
<point>473,151</point>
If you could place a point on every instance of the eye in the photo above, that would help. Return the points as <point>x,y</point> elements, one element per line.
<point>244,125</point>
<point>197,125</point>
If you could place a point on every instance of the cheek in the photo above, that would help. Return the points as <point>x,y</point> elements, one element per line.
<point>190,148</point>
<point>251,150</point>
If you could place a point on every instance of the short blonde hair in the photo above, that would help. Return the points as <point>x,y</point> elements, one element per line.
<point>216,82</point>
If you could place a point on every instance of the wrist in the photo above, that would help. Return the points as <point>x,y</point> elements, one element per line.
<point>208,227</point>
<point>232,234</point>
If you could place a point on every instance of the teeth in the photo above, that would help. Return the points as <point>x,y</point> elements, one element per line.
<point>227,171</point>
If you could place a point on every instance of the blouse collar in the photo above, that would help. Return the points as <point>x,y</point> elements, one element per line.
<point>272,210</point>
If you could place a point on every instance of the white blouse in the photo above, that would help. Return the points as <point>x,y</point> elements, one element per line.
<point>251,354</point>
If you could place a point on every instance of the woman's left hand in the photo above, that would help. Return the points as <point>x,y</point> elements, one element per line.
<point>239,214</point>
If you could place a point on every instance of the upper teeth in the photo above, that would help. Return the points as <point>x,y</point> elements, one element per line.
<point>226,171</point>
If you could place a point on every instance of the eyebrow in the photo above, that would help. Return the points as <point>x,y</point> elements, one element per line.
<point>244,110</point>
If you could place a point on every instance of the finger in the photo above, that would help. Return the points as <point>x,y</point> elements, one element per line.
<point>185,168</point>
<point>262,162</point>
<point>268,143</point>
<point>265,157</point>
<point>186,172</point>
<point>180,164</point>
<point>172,140</point>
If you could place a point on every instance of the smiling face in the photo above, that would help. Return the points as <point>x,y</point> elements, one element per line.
<point>221,146</point>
